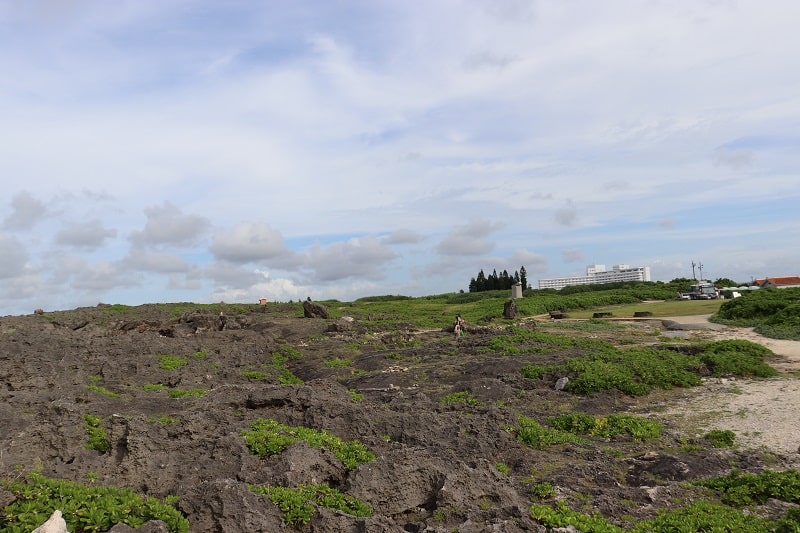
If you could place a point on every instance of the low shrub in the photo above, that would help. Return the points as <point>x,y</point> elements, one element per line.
<point>85,508</point>
<point>172,362</point>
<point>720,438</point>
<point>738,358</point>
<point>97,435</point>
<point>297,503</point>
<point>608,426</point>
<point>743,489</point>
<point>459,397</point>
<point>269,437</point>
<point>531,433</point>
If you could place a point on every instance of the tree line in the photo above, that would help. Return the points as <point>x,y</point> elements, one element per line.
<point>498,282</point>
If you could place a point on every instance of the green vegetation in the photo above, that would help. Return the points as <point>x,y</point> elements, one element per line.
<point>172,362</point>
<point>102,390</point>
<point>772,312</point>
<point>635,370</point>
<point>154,386</point>
<point>608,426</point>
<point>254,375</point>
<point>164,420</point>
<point>742,489</point>
<point>532,433</point>
<point>84,508</point>
<point>296,503</point>
<point>355,395</point>
<point>720,438</point>
<point>269,437</point>
<point>737,358</point>
<point>543,490</point>
<point>701,516</point>
<point>98,440</point>
<point>459,397</point>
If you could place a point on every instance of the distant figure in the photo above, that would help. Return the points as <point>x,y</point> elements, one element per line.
<point>458,326</point>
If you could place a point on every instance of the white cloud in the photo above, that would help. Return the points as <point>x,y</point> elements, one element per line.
<point>470,239</point>
<point>365,257</point>
<point>90,235</point>
<point>248,242</point>
<point>167,225</point>
<point>13,257</point>
<point>26,212</point>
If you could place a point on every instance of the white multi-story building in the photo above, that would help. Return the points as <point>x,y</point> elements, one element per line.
<point>599,274</point>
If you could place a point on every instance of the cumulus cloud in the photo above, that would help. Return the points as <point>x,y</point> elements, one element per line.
<point>88,235</point>
<point>13,257</point>
<point>364,257</point>
<point>248,242</point>
<point>26,211</point>
<point>470,239</point>
<point>532,261</point>
<point>167,225</point>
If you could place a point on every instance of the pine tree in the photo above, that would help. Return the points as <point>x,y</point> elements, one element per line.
<point>523,278</point>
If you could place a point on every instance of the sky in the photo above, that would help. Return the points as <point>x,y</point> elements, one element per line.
<point>207,151</point>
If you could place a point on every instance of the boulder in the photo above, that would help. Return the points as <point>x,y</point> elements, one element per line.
<point>510,309</point>
<point>314,310</point>
<point>54,524</point>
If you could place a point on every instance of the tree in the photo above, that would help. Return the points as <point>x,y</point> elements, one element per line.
<point>523,278</point>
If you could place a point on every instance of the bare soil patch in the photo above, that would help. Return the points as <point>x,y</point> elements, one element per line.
<point>763,413</point>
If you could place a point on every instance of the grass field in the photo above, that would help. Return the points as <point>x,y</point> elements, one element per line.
<point>659,309</point>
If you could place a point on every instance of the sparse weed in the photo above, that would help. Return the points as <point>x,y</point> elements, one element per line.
<point>171,362</point>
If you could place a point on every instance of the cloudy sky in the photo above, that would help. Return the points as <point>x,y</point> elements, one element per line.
<point>206,150</point>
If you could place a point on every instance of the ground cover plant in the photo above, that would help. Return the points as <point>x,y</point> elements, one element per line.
<point>270,437</point>
<point>297,503</point>
<point>85,508</point>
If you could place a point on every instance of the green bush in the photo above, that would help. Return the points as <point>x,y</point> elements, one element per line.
<point>531,433</point>
<point>744,489</point>
<point>738,358</point>
<point>296,503</point>
<point>459,397</point>
<point>720,438</point>
<point>706,516</point>
<point>171,362</point>
<point>97,435</point>
<point>772,312</point>
<point>608,426</point>
<point>269,437</point>
<point>85,508</point>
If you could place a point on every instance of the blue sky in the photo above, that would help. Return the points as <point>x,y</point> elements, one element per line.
<point>159,151</point>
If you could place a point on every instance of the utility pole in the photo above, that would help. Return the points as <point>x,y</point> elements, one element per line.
<point>694,276</point>
<point>700,266</point>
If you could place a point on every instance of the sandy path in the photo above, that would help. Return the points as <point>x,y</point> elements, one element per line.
<point>763,413</point>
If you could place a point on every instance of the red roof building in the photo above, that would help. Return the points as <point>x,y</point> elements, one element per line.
<point>780,282</point>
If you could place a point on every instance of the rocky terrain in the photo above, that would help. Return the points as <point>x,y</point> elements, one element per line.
<point>439,466</point>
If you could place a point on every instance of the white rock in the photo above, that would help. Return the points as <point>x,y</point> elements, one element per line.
<point>54,524</point>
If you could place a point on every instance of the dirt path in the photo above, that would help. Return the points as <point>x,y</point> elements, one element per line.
<point>762,413</point>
